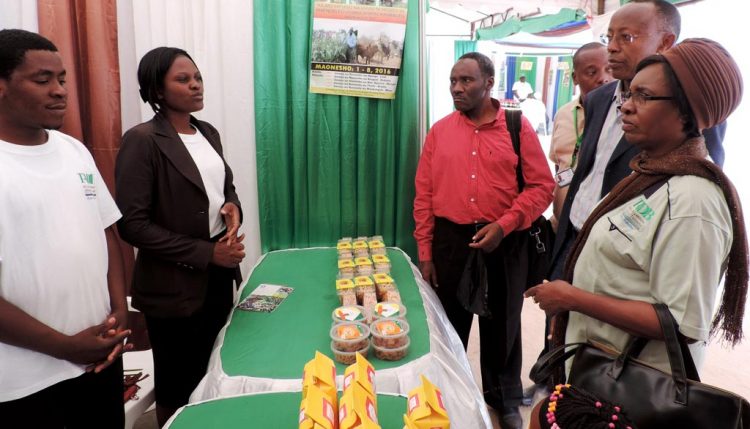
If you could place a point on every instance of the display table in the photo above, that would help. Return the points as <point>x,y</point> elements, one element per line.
<point>266,352</point>
<point>268,410</point>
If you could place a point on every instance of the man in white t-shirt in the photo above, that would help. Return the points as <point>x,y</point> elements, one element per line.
<point>63,312</point>
<point>522,89</point>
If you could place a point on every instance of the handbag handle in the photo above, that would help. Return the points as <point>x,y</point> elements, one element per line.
<point>680,360</point>
<point>547,363</point>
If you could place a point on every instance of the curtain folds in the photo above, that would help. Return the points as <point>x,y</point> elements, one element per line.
<point>85,34</point>
<point>330,166</point>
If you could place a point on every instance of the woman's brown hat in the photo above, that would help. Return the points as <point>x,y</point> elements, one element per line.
<point>710,78</point>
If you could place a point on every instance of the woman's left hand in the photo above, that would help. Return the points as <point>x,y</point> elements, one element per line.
<point>232,220</point>
<point>553,297</point>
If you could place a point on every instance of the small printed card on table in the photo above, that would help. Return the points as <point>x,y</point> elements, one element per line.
<point>265,298</point>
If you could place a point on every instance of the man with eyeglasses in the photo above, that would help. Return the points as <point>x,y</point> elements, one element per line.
<point>636,30</point>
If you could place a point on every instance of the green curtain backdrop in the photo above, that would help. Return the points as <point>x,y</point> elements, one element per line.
<point>461,47</point>
<point>330,166</point>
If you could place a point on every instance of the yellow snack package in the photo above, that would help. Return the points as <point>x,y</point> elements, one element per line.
<point>380,259</point>
<point>344,245</point>
<point>357,409</point>
<point>381,279</point>
<point>345,263</point>
<point>363,281</point>
<point>363,373</point>
<point>360,244</point>
<point>362,261</point>
<point>321,373</point>
<point>426,409</point>
<point>317,411</point>
<point>344,284</point>
<point>409,423</point>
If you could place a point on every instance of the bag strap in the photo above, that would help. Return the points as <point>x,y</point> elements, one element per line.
<point>513,123</point>
<point>550,361</point>
<point>680,360</point>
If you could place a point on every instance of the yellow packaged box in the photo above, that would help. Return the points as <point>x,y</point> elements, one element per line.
<point>320,372</point>
<point>363,266</point>
<point>357,409</point>
<point>426,409</point>
<point>360,248</point>
<point>344,284</point>
<point>363,373</point>
<point>377,247</point>
<point>317,411</point>
<point>344,245</point>
<point>346,267</point>
<point>363,284</point>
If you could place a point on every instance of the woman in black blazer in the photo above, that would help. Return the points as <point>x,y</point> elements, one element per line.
<point>181,211</point>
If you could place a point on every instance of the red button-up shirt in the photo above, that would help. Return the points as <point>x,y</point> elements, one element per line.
<point>467,174</point>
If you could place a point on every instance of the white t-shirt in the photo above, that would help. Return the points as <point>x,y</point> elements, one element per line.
<point>523,89</point>
<point>54,208</point>
<point>668,248</point>
<point>211,168</point>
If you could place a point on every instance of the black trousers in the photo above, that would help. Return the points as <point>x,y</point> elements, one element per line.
<point>88,401</point>
<point>499,336</point>
<point>182,346</point>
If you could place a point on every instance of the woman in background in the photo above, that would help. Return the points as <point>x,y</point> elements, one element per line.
<point>181,211</point>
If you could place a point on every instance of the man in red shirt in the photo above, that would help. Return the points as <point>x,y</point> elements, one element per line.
<point>467,197</point>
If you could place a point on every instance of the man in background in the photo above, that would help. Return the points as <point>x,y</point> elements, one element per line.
<point>590,71</point>
<point>637,30</point>
<point>522,89</point>
<point>467,198</point>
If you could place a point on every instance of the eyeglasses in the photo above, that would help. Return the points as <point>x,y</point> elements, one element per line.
<point>639,98</point>
<point>621,39</point>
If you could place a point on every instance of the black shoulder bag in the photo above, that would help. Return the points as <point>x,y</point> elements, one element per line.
<point>651,398</point>
<point>537,241</point>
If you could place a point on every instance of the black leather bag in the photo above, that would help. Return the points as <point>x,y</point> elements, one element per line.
<point>537,241</point>
<point>473,290</point>
<point>651,398</point>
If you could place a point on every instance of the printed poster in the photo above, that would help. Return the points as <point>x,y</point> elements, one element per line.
<point>357,46</point>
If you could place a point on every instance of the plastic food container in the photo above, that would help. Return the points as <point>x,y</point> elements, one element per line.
<point>347,296</point>
<point>395,310</point>
<point>350,336</point>
<point>346,268</point>
<point>382,263</point>
<point>392,296</point>
<point>349,313</point>
<point>391,354</point>
<point>383,289</point>
<point>390,332</point>
<point>349,358</point>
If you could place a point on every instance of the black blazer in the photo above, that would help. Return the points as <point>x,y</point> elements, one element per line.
<point>596,107</point>
<point>165,215</point>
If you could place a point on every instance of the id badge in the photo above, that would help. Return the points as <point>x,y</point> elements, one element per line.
<point>564,177</point>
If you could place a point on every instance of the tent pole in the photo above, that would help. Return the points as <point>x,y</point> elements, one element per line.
<point>422,104</point>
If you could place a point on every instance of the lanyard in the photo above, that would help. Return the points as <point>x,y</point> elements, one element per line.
<point>579,138</point>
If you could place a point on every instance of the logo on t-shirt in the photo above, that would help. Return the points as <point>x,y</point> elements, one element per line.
<point>87,182</point>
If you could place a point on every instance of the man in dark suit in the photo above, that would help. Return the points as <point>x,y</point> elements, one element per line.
<point>636,30</point>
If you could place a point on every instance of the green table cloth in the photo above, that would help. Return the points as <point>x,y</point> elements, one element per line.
<point>278,344</point>
<point>269,411</point>
<point>267,352</point>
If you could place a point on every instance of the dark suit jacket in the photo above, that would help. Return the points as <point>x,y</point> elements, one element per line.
<point>596,107</point>
<point>165,215</point>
